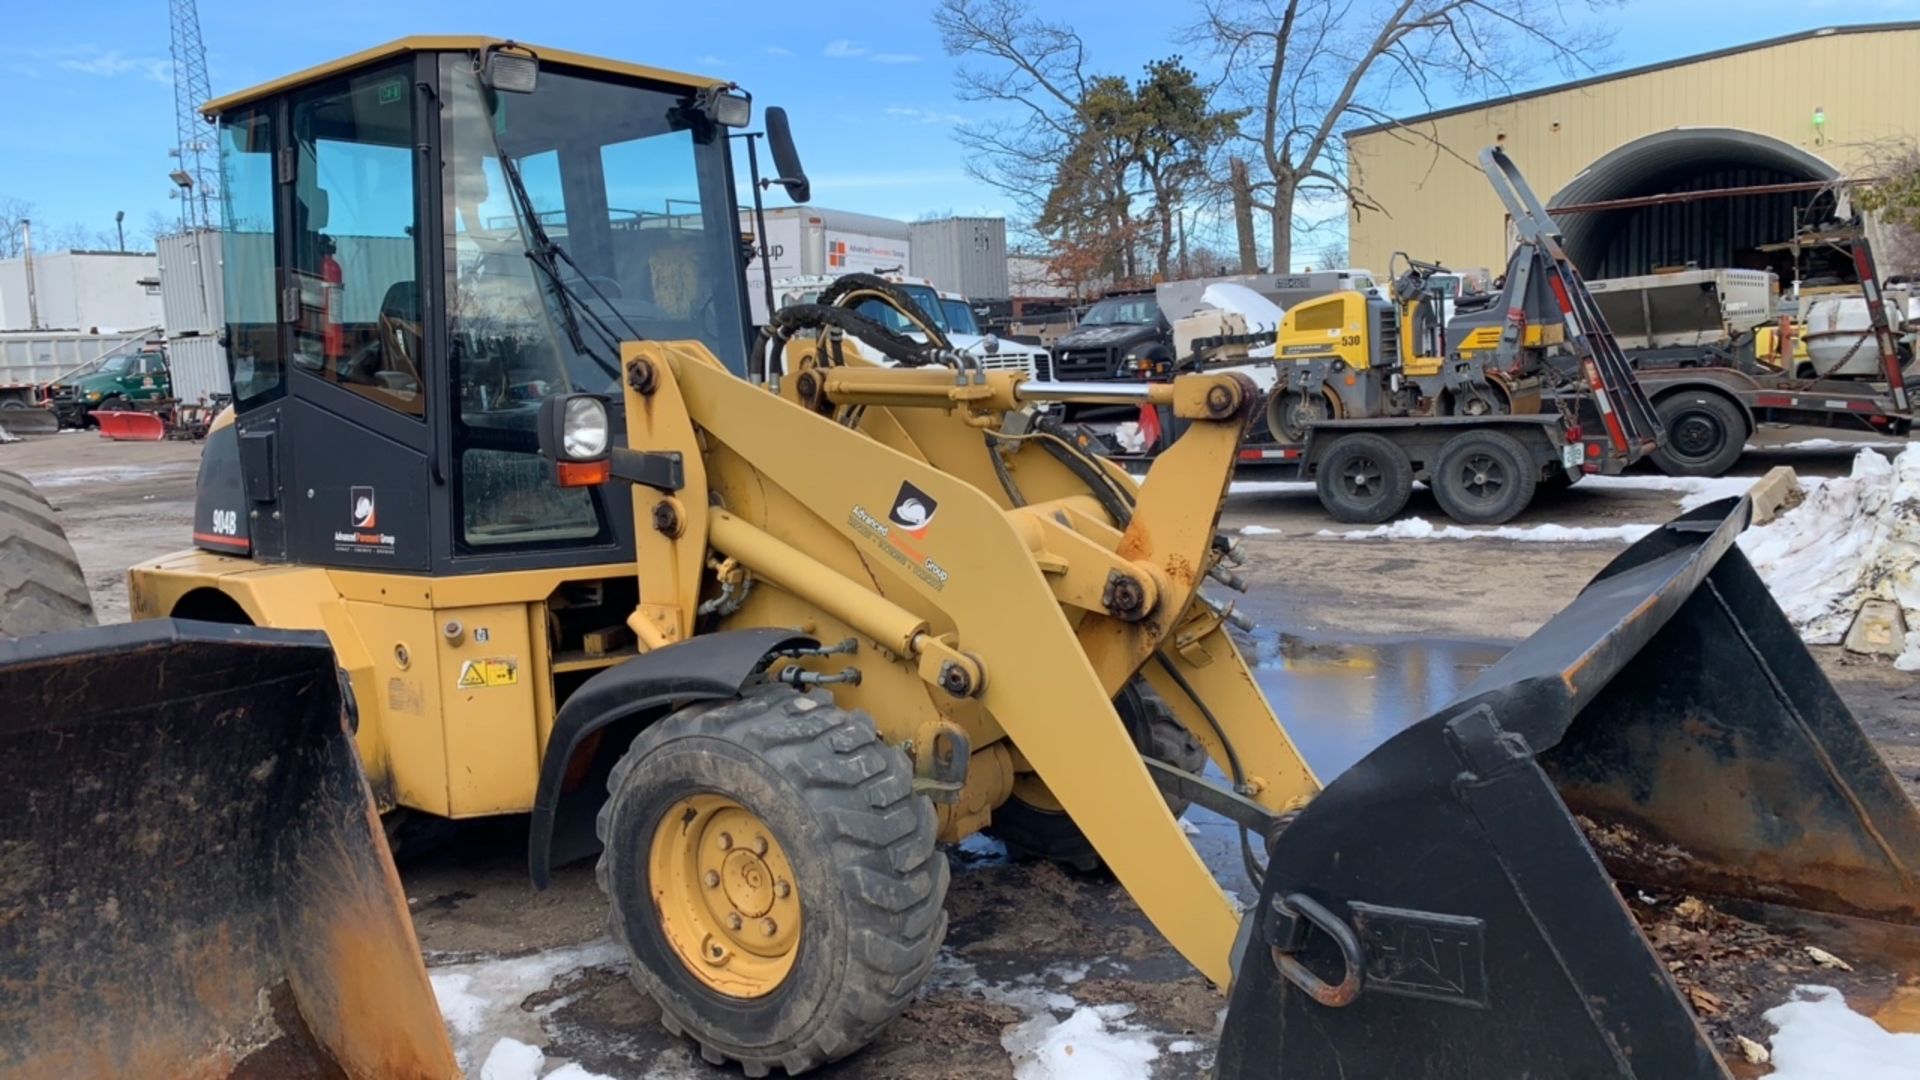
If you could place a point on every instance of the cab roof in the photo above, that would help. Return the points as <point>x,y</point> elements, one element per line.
<point>447,43</point>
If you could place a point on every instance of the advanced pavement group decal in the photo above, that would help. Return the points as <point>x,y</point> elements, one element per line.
<point>908,521</point>
<point>363,512</point>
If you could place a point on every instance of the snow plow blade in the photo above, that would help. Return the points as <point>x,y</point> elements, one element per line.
<point>130,426</point>
<point>29,421</point>
<point>196,884</point>
<point>1455,904</point>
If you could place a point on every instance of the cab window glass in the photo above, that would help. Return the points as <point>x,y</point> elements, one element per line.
<point>247,257</point>
<point>354,264</point>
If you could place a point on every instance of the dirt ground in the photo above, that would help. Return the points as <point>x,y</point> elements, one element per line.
<point>1018,931</point>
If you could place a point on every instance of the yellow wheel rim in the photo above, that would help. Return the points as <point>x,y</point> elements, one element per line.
<point>728,901</point>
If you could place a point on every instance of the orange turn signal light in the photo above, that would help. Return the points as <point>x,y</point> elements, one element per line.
<point>582,473</point>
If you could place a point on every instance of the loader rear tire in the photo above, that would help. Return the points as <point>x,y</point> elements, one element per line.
<point>42,588</point>
<point>838,885</point>
<point>1046,832</point>
<point>1484,478</point>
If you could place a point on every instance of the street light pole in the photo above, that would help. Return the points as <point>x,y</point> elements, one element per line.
<point>120,229</point>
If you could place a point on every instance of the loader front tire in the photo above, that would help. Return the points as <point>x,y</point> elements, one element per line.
<point>42,588</point>
<point>773,876</point>
<point>1033,825</point>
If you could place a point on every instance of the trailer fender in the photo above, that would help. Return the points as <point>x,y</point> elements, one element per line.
<point>704,668</point>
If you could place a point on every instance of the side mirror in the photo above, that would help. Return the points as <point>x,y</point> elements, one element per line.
<point>786,160</point>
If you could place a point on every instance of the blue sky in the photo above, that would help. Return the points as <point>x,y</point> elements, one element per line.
<point>90,118</point>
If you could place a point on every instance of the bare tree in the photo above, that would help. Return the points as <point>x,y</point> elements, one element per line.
<point>1892,196</point>
<point>1309,69</point>
<point>1037,70</point>
<point>14,212</point>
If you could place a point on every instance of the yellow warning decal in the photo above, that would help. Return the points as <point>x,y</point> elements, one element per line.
<point>478,673</point>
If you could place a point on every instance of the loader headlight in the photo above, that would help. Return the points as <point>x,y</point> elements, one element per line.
<point>583,428</point>
<point>574,436</point>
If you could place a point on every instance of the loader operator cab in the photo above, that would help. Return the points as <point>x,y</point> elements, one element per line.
<point>424,242</point>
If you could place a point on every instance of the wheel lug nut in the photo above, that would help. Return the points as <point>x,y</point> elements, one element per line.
<point>781,889</point>
<point>734,920</point>
<point>726,841</point>
<point>769,927</point>
<point>713,879</point>
<point>759,845</point>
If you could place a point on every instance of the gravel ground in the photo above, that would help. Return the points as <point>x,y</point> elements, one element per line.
<point>1352,625</point>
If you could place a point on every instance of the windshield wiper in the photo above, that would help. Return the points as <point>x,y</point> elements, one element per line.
<point>542,252</point>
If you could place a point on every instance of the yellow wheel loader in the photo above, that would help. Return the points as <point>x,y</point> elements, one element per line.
<point>774,622</point>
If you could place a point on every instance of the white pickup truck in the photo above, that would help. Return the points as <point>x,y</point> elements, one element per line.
<point>948,311</point>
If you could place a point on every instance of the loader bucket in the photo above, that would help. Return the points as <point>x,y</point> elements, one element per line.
<point>1455,905</point>
<point>193,881</point>
<point>126,425</point>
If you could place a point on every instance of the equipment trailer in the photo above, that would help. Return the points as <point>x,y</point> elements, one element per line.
<point>1484,464</point>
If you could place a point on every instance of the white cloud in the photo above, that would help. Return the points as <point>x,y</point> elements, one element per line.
<point>709,61</point>
<point>114,63</point>
<point>895,58</point>
<point>776,50</point>
<point>924,116</point>
<point>843,48</point>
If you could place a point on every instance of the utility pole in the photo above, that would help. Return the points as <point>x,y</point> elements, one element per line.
<point>33,298</point>
<point>120,229</point>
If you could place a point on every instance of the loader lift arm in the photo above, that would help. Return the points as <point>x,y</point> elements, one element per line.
<point>1010,617</point>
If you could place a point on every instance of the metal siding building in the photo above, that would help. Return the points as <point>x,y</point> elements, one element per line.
<point>1726,119</point>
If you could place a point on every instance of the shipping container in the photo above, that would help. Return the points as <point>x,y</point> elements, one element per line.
<point>967,255</point>
<point>190,287</point>
<point>198,367</point>
<point>106,291</point>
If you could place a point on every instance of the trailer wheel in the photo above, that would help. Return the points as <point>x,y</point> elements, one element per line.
<point>1705,433</point>
<point>42,588</point>
<point>1484,478</point>
<point>1033,824</point>
<point>773,876</point>
<point>1365,479</point>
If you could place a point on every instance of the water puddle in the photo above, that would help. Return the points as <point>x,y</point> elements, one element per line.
<point>1338,701</point>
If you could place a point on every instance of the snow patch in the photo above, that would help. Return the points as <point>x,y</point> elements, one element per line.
<point>1258,530</point>
<point>1819,1038</point>
<point>1270,487</point>
<point>483,1001</point>
<point>1828,444</point>
<point>1854,538</point>
<point>1694,491</point>
<point>511,1059</point>
<point>1418,528</point>
<point>1060,1038</point>
<point>979,849</point>
<point>1095,1043</point>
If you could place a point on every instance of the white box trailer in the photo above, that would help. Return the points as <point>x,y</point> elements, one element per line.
<point>801,241</point>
